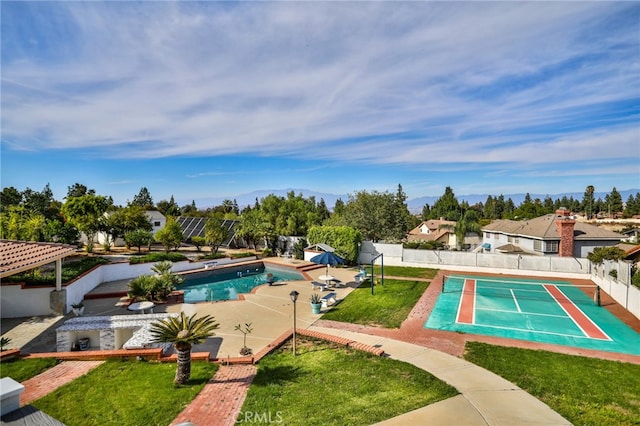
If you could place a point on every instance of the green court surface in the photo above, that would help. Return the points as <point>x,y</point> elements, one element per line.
<point>541,310</point>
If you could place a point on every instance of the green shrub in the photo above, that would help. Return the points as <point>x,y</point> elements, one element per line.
<point>267,252</point>
<point>140,288</point>
<point>635,280</point>
<point>211,256</point>
<point>241,255</point>
<point>298,248</point>
<point>158,257</point>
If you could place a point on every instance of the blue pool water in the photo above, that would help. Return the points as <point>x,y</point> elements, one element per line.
<point>227,285</point>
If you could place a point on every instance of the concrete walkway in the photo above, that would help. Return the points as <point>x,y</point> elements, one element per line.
<point>486,399</point>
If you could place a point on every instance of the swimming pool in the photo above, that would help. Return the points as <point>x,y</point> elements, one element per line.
<point>228,283</point>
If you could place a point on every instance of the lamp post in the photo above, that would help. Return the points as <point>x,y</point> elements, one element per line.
<point>294,297</point>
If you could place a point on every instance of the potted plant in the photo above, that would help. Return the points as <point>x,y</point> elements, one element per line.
<point>316,303</point>
<point>78,309</point>
<point>245,351</point>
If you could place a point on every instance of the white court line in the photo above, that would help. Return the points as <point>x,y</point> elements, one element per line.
<point>523,313</point>
<point>515,300</point>
<point>578,336</point>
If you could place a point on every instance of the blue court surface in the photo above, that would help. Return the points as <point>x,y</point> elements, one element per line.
<point>544,311</point>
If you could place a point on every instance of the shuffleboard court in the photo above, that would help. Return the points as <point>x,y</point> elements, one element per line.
<point>545,311</point>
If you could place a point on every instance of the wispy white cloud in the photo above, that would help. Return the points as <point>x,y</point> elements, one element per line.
<point>475,83</point>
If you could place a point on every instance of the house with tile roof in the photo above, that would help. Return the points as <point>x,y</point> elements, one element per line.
<point>556,234</point>
<point>435,230</point>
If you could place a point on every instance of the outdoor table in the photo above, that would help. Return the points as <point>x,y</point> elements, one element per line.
<point>327,279</point>
<point>142,307</point>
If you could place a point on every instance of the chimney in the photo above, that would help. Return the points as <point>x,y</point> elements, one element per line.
<point>565,225</point>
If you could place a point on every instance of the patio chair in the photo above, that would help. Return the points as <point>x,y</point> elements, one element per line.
<point>315,285</point>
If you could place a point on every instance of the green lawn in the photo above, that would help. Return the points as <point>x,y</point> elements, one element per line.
<point>24,369</point>
<point>387,307</point>
<point>329,384</point>
<point>586,391</point>
<point>404,271</point>
<point>125,393</point>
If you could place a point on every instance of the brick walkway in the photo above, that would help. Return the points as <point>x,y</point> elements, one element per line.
<point>219,402</point>
<point>63,373</point>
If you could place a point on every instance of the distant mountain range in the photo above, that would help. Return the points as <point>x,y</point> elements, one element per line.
<point>415,205</point>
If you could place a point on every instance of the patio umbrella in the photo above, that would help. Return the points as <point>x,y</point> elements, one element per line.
<point>328,258</point>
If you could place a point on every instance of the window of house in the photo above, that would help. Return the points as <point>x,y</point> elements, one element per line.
<point>552,247</point>
<point>487,234</point>
<point>495,236</point>
<point>537,245</point>
<point>156,223</point>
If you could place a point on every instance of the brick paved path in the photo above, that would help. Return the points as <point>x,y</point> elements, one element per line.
<point>42,384</point>
<point>219,402</point>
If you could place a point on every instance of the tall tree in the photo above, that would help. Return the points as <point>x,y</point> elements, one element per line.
<point>41,202</point>
<point>170,236</point>
<point>168,208</point>
<point>446,207</point>
<point>614,202</point>
<point>401,216</point>
<point>371,213</point>
<point>426,212</point>
<point>632,207</point>
<point>85,213</point>
<point>338,207</point>
<point>123,220</point>
<point>469,223</point>
<point>143,199</point>
<point>189,209</point>
<point>588,201</point>
<point>78,190</point>
<point>10,196</point>
<point>215,234</point>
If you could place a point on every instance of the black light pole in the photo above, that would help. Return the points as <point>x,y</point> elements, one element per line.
<point>294,297</point>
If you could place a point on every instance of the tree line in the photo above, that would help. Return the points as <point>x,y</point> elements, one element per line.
<point>378,216</point>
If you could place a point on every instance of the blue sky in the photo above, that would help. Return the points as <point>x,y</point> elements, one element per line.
<point>210,100</point>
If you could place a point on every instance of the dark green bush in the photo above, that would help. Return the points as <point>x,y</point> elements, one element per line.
<point>210,256</point>
<point>158,257</point>
<point>241,255</point>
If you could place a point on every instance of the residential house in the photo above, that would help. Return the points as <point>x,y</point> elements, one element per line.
<point>435,230</point>
<point>157,220</point>
<point>556,234</point>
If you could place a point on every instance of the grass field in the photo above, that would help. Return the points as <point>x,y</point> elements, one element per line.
<point>387,307</point>
<point>586,391</point>
<point>329,384</point>
<point>24,369</point>
<point>125,393</point>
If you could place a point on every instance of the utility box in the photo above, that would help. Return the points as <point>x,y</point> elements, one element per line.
<point>10,391</point>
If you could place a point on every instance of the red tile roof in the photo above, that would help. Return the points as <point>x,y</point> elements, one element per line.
<point>19,256</point>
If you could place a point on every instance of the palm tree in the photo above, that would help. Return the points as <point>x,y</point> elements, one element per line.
<point>183,332</point>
